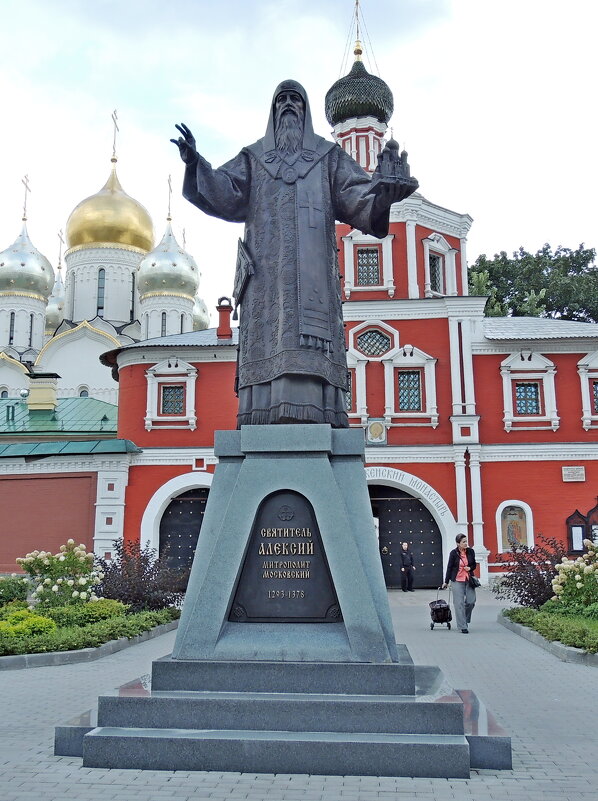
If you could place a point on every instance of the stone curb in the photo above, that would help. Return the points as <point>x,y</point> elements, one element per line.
<point>564,652</point>
<point>20,661</point>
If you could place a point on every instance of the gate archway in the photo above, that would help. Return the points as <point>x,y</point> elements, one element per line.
<point>180,526</point>
<point>403,518</point>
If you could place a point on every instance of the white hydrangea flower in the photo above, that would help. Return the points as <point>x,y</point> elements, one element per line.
<point>61,558</point>
<point>55,588</point>
<point>47,581</point>
<point>75,594</point>
<point>82,581</point>
<point>93,597</point>
<point>59,581</point>
<point>39,588</point>
<point>70,542</point>
<point>579,585</point>
<point>70,582</point>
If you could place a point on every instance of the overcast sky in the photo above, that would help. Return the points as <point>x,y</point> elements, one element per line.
<point>495,101</point>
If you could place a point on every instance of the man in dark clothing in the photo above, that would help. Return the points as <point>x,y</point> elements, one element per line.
<point>407,568</point>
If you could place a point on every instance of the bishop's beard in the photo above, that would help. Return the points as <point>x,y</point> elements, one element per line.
<point>288,132</point>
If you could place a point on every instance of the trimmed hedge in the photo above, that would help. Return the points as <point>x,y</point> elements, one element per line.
<point>561,626</point>
<point>83,615</point>
<point>73,638</point>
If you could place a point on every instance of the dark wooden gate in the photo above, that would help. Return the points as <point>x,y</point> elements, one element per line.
<point>403,518</point>
<point>180,527</point>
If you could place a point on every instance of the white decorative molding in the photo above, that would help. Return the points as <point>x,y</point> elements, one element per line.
<point>150,522</point>
<point>419,210</point>
<point>527,365</point>
<point>575,452</point>
<point>529,523</point>
<point>170,371</point>
<point>173,456</point>
<point>437,244</point>
<point>414,309</point>
<point>148,356</point>
<point>64,464</point>
<point>386,273</point>
<point>587,368</point>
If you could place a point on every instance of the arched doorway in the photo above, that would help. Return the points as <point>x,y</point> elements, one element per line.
<point>403,518</point>
<point>180,526</point>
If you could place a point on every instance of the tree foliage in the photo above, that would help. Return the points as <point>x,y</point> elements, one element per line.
<point>530,572</point>
<point>562,284</point>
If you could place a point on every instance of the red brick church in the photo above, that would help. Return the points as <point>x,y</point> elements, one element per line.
<point>485,426</point>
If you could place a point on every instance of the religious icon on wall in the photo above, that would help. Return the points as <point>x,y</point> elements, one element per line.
<point>513,525</point>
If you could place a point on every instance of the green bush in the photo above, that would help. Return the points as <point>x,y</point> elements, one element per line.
<point>591,642</point>
<point>10,607</point>
<point>76,637</point>
<point>576,581</point>
<point>13,588</point>
<point>591,611</point>
<point>23,623</point>
<point>578,632</point>
<point>91,612</point>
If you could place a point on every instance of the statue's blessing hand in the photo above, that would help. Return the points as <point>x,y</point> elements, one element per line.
<point>185,144</point>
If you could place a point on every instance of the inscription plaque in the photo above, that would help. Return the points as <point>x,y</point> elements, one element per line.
<point>285,576</point>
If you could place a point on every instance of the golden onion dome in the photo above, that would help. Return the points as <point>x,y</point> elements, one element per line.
<point>201,315</point>
<point>24,270</point>
<point>168,270</point>
<point>110,217</point>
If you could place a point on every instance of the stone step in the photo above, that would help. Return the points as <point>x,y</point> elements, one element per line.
<point>393,678</point>
<point>322,753</point>
<point>289,711</point>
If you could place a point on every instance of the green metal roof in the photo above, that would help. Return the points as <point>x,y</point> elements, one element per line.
<point>65,448</point>
<point>71,416</point>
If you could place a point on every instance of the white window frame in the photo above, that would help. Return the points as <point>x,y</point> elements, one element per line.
<point>437,244</point>
<point>526,366</point>
<point>356,238</point>
<point>170,371</point>
<point>407,357</point>
<point>529,523</point>
<point>587,368</point>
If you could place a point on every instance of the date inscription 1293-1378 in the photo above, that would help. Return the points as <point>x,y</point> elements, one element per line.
<point>285,576</point>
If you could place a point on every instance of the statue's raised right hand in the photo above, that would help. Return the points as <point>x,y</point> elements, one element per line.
<point>186,144</point>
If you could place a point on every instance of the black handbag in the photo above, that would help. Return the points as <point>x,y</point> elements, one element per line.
<point>474,582</point>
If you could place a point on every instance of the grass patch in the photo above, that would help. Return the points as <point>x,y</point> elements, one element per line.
<point>74,637</point>
<point>572,629</point>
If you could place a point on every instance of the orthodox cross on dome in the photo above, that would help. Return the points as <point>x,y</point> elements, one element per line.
<point>25,182</point>
<point>116,130</point>
<point>169,218</point>
<point>184,238</point>
<point>61,238</point>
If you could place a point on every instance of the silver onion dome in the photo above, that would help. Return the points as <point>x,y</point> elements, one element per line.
<point>55,307</point>
<point>168,270</point>
<point>24,270</point>
<point>201,315</point>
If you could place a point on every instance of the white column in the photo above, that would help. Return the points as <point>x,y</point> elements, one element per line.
<point>461,486</point>
<point>413,288</point>
<point>464,276</point>
<point>455,366</point>
<point>481,551</point>
<point>467,359</point>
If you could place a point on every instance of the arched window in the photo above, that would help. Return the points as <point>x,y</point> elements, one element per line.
<point>514,525</point>
<point>83,393</point>
<point>182,323</point>
<point>163,327</point>
<point>3,393</point>
<point>31,329</point>
<point>132,317</point>
<point>11,329</point>
<point>101,291</point>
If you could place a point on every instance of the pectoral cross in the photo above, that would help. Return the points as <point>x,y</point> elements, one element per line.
<point>25,182</point>
<point>116,129</point>
<point>312,208</point>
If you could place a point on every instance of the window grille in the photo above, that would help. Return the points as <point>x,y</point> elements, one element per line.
<point>163,326</point>
<point>410,391</point>
<point>349,393</point>
<point>173,399</point>
<point>594,397</point>
<point>527,398</point>
<point>132,314</point>
<point>30,330</point>
<point>373,342</point>
<point>368,267</point>
<point>11,330</point>
<point>436,273</point>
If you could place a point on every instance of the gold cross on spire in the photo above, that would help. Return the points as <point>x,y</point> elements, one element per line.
<point>25,182</point>
<point>61,238</point>
<point>169,218</point>
<point>116,130</point>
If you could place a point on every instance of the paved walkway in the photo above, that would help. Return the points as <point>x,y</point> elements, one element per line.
<point>548,706</point>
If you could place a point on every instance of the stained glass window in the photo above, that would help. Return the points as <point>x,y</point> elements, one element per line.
<point>410,393</point>
<point>368,267</point>
<point>527,398</point>
<point>173,398</point>
<point>436,273</point>
<point>373,342</point>
<point>594,397</point>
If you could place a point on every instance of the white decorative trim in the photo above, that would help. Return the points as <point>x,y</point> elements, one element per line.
<point>407,309</point>
<point>542,452</point>
<point>150,522</point>
<point>64,464</point>
<point>412,285</point>
<point>587,368</point>
<point>148,355</point>
<point>109,504</point>
<point>529,522</point>
<point>419,210</point>
<point>173,456</point>
<point>437,244</point>
<point>529,366</point>
<point>357,238</point>
<point>170,371</point>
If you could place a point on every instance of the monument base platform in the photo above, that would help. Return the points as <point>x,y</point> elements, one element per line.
<point>331,719</point>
